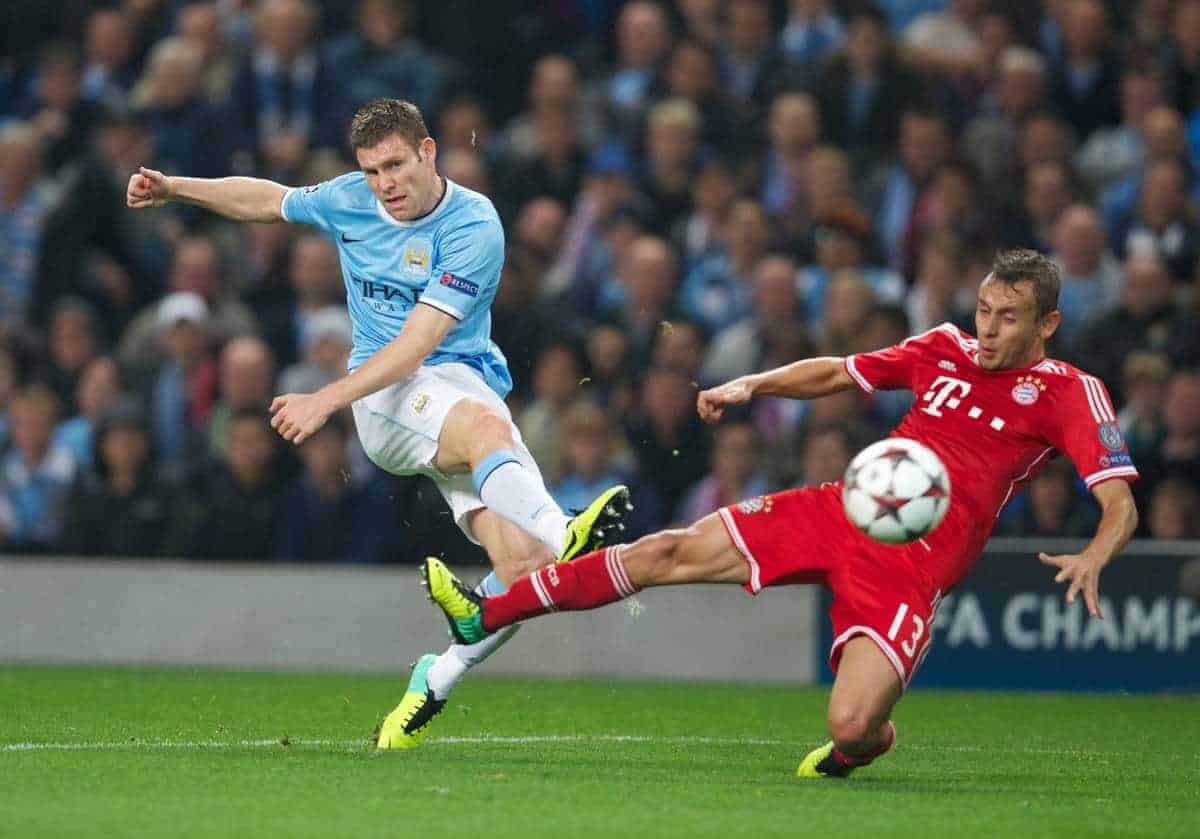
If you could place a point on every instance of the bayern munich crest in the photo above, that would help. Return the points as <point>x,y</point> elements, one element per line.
<point>755,505</point>
<point>1027,390</point>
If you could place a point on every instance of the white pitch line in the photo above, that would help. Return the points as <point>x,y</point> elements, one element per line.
<point>483,740</point>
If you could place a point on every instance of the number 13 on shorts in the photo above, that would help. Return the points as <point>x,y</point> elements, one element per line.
<point>917,625</point>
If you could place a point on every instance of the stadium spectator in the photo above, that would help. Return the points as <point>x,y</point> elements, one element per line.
<point>284,101</point>
<point>35,475</point>
<point>841,242</point>
<point>539,228</point>
<point>200,23</point>
<point>940,292</point>
<point>59,114</point>
<point>643,37</point>
<point>1045,139</point>
<point>556,168</point>
<point>1164,223</point>
<point>1047,192</point>
<point>97,391</point>
<point>9,372</point>
<point>90,246</point>
<point>611,380</point>
<point>825,452</point>
<point>118,506</point>
<point>701,20</point>
<point>811,33</point>
<point>848,301</point>
<point>1183,56</point>
<point>185,130</point>
<point>950,206</point>
<point>697,235</point>
<point>1144,379</point>
<point>326,516</point>
<point>1053,508</point>
<point>1162,136</point>
<point>197,268</point>
<point>752,66</point>
<point>735,473</point>
<point>1114,154</point>
<point>464,124</point>
<point>864,90</point>
<point>827,191</point>
<point>184,389</point>
<point>591,460</point>
<point>1178,456</point>
<point>246,382</point>
<point>230,509</point>
<point>315,282</point>
<point>990,141</point>
<point>672,140</point>
<point>1090,274</point>
<point>924,145</point>
<point>648,276</point>
<point>466,167</point>
<point>26,197</point>
<point>680,345</point>
<point>752,343</point>
<point>1085,83</point>
<point>947,41</point>
<point>665,434</point>
<point>110,69</point>
<point>325,352</point>
<point>554,85</point>
<point>73,342</point>
<point>1174,511</point>
<point>556,384</point>
<point>717,292</point>
<point>692,74</point>
<point>794,131</point>
<point>382,56</point>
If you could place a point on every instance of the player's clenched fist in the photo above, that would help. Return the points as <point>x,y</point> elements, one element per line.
<point>712,403</point>
<point>147,188</point>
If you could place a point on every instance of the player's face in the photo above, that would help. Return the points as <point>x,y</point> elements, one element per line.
<point>403,177</point>
<point>1010,332</point>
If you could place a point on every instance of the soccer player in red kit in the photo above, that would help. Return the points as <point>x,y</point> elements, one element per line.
<point>994,409</point>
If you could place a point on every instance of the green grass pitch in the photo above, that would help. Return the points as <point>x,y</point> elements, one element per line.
<point>111,752</point>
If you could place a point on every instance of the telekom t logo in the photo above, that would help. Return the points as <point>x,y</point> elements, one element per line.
<point>947,391</point>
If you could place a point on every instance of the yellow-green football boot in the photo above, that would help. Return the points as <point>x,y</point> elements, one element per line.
<point>409,722</point>
<point>599,525</point>
<point>461,606</point>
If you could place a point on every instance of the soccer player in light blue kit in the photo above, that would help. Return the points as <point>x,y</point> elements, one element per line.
<point>421,257</point>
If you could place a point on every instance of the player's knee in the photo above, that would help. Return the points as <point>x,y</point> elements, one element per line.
<point>852,726</point>
<point>490,432</point>
<point>652,560</point>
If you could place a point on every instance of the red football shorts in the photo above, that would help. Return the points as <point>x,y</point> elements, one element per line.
<point>880,591</point>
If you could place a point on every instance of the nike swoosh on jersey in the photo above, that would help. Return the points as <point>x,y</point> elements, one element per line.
<point>347,239</point>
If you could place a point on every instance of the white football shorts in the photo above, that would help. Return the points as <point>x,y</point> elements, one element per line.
<point>399,427</point>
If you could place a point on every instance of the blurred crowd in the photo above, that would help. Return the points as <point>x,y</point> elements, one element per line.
<point>691,191</point>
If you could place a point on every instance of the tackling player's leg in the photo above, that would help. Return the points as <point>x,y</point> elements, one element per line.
<point>701,553</point>
<point>865,691</point>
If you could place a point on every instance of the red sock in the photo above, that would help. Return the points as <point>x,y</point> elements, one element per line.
<point>863,760</point>
<point>587,582</point>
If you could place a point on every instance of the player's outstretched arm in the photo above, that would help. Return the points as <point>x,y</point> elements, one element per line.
<point>807,379</point>
<point>240,199</point>
<point>297,416</point>
<point>1118,521</point>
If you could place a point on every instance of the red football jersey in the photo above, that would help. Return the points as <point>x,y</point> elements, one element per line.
<point>993,429</point>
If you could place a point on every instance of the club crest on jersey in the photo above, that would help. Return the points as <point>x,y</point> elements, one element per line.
<point>416,257</point>
<point>420,403</point>
<point>1027,390</point>
<point>759,504</point>
<point>1110,436</point>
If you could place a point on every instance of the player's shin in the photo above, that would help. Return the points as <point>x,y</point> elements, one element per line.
<point>454,663</point>
<point>519,495</point>
<point>588,582</point>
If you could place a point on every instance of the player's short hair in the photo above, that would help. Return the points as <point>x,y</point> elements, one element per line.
<point>381,118</point>
<point>1025,265</point>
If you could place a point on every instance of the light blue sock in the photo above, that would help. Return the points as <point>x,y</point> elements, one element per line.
<point>490,586</point>
<point>517,494</point>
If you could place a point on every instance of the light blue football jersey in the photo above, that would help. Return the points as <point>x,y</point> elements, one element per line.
<point>449,259</point>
